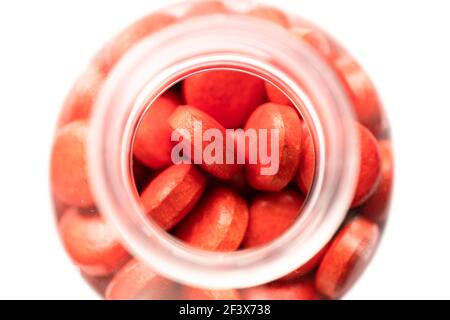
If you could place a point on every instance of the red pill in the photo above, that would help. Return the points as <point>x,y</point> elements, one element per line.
<point>270,215</point>
<point>361,91</point>
<point>307,267</point>
<point>68,168</point>
<point>172,194</point>
<point>228,96</point>
<point>348,255</point>
<point>82,96</point>
<point>277,96</point>
<point>293,290</point>
<point>91,243</point>
<point>307,164</point>
<point>207,7</point>
<point>191,124</point>
<point>218,223</point>
<point>270,14</point>
<point>117,47</point>
<point>285,121</point>
<point>204,294</point>
<point>153,145</point>
<point>136,281</point>
<point>376,207</point>
<point>369,170</point>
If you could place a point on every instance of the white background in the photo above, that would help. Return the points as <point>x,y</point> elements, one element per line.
<point>405,46</point>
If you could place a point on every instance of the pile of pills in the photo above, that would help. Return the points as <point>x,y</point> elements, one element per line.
<point>222,161</point>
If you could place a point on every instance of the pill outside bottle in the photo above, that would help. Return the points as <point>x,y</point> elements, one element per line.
<point>94,177</point>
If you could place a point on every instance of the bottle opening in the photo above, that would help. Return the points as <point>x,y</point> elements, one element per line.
<point>238,136</point>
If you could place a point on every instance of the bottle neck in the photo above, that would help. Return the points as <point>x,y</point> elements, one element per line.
<point>248,45</point>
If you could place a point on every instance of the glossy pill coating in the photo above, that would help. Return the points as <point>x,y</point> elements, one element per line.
<point>218,222</point>
<point>153,145</point>
<point>270,215</point>
<point>270,14</point>
<point>348,255</point>
<point>91,243</point>
<point>362,93</point>
<point>68,168</point>
<point>204,294</point>
<point>293,290</point>
<point>376,207</point>
<point>136,281</point>
<point>186,119</point>
<point>206,8</point>
<point>286,121</point>
<point>277,96</point>
<point>117,47</point>
<point>227,96</point>
<point>82,96</point>
<point>172,194</point>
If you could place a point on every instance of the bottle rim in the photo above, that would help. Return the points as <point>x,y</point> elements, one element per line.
<point>248,45</point>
